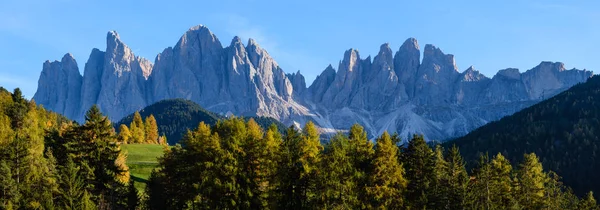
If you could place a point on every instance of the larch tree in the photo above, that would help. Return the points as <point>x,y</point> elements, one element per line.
<point>151,130</point>
<point>387,183</point>
<point>501,181</point>
<point>124,134</point>
<point>531,182</point>
<point>137,128</point>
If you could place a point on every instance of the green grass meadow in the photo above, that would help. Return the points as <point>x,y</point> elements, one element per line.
<point>141,159</point>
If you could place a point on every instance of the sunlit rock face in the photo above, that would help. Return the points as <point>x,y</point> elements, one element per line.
<point>393,91</point>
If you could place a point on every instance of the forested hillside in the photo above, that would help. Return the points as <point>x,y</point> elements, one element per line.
<point>237,165</point>
<point>564,131</point>
<point>48,162</point>
<point>175,116</point>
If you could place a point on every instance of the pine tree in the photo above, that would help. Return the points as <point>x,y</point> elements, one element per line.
<point>338,189</point>
<point>501,182</point>
<point>124,134</point>
<point>456,181</point>
<point>289,171</point>
<point>387,183</point>
<point>361,155</point>
<point>531,182</point>
<point>86,201</point>
<point>588,202</point>
<point>151,130</point>
<point>71,186</point>
<point>298,168</point>
<point>95,147</point>
<point>419,172</point>
<point>556,195</point>
<point>439,193</point>
<point>480,194</point>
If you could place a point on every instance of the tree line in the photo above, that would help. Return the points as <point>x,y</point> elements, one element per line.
<point>237,165</point>
<point>50,162</point>
<point>141,132</point>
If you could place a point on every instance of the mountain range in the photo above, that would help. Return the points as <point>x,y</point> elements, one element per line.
<point>393,91</point>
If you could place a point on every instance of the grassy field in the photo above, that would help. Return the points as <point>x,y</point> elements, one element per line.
<point>141,159</point>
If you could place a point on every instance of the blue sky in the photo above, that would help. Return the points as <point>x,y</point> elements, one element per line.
<point>304,35</point>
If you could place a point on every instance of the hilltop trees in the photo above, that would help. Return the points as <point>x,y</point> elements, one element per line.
<point>140,132</point>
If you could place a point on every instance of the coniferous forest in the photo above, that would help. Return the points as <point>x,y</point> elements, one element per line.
<point>50,162</point>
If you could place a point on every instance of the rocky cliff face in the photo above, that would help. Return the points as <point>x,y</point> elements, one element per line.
<point>59,86</point>
<point>392,92</point>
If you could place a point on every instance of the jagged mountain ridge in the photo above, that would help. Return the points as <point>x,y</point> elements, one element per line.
<point>393,91</point>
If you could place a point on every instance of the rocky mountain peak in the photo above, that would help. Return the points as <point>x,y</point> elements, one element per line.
<point>434,55</point>
<point>236,41</point>
<point>350,61</point>
<point>384,59</point>
<point>59,86</point>
<point>406,64</point>
<point>391,92</point>
<point>410,44</point>
<point>114,43</point>
<point>68,58</point>
<point>471,75</point>
<point>298,82</point>
<point>253,43</point>
<point>550,66</point>
<point>512,73</point>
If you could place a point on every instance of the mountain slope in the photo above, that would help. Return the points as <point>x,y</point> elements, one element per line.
<point>393,91</point>
<point>564,131</point>
<point>175,116</point>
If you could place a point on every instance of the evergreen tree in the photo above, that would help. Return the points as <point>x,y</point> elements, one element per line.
<point>419,166</point>
<point>151,128</point>
<point>387,183</point>
<point>456,180</point>
<point>480,196</point>
<point>438,194</point>
<point>531,182</point>
<point>71,186</point>
<point>501,182</point>
<point>289,172</point>
<point>95,147</point>
<point>86,201</point>
<point>588,202</point>
<point>257,167</point>
<point>361,155</point>
<point>338,189</point>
